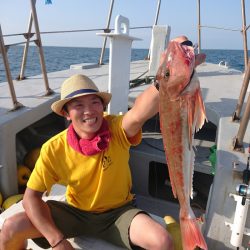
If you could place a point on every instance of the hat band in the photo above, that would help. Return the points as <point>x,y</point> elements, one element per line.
<point>80,91</point>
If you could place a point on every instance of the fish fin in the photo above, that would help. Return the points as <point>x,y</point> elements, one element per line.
<point>191,172</point>
<point>190,127</point>
<point>191,233</point>
<point>200,111</point>
<point>190,114</point>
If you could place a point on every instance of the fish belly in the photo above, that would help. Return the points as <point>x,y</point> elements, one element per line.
<point>175,128</point>
<point>173,118</point>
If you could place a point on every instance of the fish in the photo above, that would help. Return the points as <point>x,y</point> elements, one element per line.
<point>182,113</point>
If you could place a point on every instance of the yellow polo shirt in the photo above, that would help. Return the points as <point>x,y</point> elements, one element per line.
<point>94,183</point>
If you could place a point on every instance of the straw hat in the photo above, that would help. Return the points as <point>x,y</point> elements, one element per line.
<point>75,86</point>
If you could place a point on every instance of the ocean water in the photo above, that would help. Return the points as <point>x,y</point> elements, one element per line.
<point>60,58</point>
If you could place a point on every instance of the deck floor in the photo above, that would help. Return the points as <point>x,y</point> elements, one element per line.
<point>220,88</point>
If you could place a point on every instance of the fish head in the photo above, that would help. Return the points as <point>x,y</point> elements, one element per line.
<point>176,67</point>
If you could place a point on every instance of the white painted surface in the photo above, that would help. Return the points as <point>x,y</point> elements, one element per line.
<point>238,226</point>
<point>119,65</point>
<point>121,25</point>
<point>159,41</point>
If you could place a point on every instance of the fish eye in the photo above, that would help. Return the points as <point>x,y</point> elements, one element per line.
<point>167,74</point>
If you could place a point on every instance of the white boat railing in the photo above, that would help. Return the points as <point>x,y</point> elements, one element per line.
<point>16,104</point>
<point>107,29</point>
<point>38,42</point>
<point>243,30</point>
<point>40,47</point>
<point>238,140</point>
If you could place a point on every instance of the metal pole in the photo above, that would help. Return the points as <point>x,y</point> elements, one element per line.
<point>16,104</point>
<point>244,33</point>
<point>157,12</point>
<point>40,47</point>
<point>238,140</point>
<point>199,27</point>
<point>107,28</point>
<point>25,50</point>
<point>236,115</point>
<point>156,20</point>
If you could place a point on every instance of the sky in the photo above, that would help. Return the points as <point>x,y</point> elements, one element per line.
<point>180,15</point>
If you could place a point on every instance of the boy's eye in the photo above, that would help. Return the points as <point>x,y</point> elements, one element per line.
<point>96,101</point>
<point>77,105</point>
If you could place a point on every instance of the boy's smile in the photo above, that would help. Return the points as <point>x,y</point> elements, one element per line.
<point>86,114</point>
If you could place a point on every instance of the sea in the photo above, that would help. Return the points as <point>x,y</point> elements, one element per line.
<point>60,58</point>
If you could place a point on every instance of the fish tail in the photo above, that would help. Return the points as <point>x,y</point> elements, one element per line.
<point>191,234</point>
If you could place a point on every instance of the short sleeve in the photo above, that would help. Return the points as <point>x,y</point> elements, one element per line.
<point>115,123</point>
<point>43,176</point>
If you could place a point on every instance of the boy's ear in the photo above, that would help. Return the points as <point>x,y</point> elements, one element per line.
<point>66,114</point>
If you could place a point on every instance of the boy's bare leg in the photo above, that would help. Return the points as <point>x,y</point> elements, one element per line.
<point>148,234</point>
<point>15,232</point>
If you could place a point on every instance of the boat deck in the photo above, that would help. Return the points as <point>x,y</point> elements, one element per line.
<point>30,92</point>
<point>220,87</point>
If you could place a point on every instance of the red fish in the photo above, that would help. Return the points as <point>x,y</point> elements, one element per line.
<point>182,112</point>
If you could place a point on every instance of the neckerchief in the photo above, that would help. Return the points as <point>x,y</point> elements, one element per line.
<point>90,147</point>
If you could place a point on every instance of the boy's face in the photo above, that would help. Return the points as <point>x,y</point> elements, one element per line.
<point>86,114</point>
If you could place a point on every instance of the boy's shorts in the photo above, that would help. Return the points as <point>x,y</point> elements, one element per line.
<point>112,226</point>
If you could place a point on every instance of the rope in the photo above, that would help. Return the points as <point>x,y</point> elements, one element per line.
<point>139,81</point>
<point>79,30</point>
<point>219,28</point>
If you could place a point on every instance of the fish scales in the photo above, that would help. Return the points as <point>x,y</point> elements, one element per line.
<point>181,113</point>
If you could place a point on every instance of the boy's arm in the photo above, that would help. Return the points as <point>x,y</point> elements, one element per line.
<point>39,214</point>
<point>146,106</point>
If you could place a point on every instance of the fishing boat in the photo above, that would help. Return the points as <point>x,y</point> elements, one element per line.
<point>221,176</point>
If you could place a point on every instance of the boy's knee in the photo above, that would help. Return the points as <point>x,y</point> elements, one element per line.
<point>12,227</point>
<point>11,234</point>
<point>168,242</point>
<point>163,240</point>
<point>8,230</point>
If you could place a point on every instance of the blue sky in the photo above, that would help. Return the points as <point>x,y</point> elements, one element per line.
<point>181,15</point>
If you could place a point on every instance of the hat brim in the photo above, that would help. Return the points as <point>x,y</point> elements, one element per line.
<point>58,105</point>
